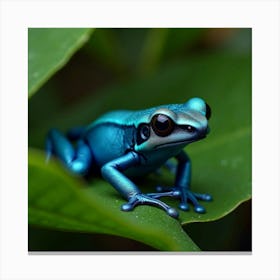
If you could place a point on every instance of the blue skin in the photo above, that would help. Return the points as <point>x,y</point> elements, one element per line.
<point>127,144</point>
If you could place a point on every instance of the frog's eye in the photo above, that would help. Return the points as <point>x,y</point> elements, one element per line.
<point>162,125</point>
<point>208,112</point>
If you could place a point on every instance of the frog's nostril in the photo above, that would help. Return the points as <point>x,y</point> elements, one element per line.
<point>190,129</point>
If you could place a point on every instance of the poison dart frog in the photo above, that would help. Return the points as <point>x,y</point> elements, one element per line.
<point>126,144</point>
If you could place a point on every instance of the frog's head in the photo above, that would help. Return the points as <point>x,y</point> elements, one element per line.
<point>174,125</point>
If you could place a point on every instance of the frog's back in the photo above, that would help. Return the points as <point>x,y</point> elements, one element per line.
<point>134,118</point>
<point>122,118</point>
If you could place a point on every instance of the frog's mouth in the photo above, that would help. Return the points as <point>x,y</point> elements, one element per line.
<point>177,143</point>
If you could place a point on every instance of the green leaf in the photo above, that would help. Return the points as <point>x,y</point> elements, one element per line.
<point>59,201</point>
<point>105,47</point>
<point>165,43</point>
<point>221,162</point>
<point>49,49</point>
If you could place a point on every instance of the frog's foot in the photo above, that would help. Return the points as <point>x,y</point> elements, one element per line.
<point>185,196</point>
<point>142,199</point>
<point>193,198</point>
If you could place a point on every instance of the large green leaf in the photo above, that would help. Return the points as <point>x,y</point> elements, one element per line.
<point>49,49</point>
<point>221,162</point>
<point>58,201</point>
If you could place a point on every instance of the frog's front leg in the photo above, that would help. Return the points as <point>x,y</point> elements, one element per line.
<point>182,186</point>
<point>78,160</point>
<point>112,172</point>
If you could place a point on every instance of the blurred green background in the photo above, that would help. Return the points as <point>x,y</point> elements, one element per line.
<point>115,60</point>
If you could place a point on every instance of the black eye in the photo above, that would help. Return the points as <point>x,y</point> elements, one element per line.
<point>162,125</point>
<point>190,129</point>
<point>208,112</point>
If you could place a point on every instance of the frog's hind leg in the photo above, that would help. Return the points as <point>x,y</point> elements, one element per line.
<point>78,160</point>
<point>76,133</point>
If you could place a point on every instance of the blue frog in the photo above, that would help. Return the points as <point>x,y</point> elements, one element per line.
<point>126,144</point>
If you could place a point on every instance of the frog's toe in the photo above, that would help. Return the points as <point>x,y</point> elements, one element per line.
<point>184,206</point>
<point>173,213</point>
<point>203,196</point>
<point>172,193</point>
<point>199,209</point>
<point>145,199</point>
<point>127,207</point>
<point>131,204</point>
<point>192,197</point>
